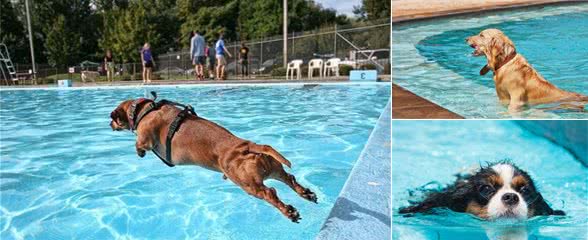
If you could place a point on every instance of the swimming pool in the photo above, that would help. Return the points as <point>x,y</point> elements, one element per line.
<point>432,60</point>
<point>66,174</point>
<point>431,152</point>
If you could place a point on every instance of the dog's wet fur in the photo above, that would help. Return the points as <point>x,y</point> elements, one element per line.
<point>517,83</point>
<point>204,143</point>
<point>498,191</point>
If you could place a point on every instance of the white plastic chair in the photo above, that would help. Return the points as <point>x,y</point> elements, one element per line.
<point>332,65</point>
<point>315,64</point>
<point>293,66</point>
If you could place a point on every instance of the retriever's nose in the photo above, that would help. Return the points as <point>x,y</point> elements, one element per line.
<point>510,199</point>
<point>467,39</point>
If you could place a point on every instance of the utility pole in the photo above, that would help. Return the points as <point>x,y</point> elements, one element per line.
<point>31,41</point>
<point>285,51</point>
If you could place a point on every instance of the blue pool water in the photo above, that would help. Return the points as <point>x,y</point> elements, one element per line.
<point>64,173</point>
<point>433,151</point>
<point>432,59</point>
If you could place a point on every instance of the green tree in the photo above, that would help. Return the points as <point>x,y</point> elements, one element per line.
<point>213,20</point>
<point>128,30</point>
<point>62,45</point>
<point>373,9</point>
<point>260,18</point>
<point>13,34</point>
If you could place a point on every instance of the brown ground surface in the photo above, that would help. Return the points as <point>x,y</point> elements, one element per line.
<point>403,10</point>
<point>407,105</point>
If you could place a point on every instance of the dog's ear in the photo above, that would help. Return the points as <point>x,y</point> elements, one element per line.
<point>499,49</point>
<point>119,114</point>
<point>493,52</point>
<point>540,207</point>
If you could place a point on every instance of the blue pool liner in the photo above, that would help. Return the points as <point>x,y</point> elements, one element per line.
<point>362,210</point>
<point>571,135</point>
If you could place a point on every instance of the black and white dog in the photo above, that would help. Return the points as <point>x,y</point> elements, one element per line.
<point>500,190</point>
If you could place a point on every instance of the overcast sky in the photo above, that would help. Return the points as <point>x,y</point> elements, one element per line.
<point>342,6</point>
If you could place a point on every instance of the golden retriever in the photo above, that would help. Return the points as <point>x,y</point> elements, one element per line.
<point>517,83</point>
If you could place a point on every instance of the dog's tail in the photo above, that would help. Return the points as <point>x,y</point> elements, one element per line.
<point>268,150</point>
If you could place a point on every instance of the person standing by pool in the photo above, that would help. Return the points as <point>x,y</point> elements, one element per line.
<point>109,65</point>
<point>221,61</point>
<point>244,59</point>
<point>148,62</point>
<point>198,55</point>
<point>210,54</point>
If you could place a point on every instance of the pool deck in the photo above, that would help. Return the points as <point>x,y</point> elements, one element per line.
<point>362,210</point>
<point>409,10</point>
<point>381,78</point>
<point>407,105</point>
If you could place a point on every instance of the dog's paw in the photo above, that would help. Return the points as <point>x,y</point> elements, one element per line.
<point>293,214</point>
<point>310,196</point>
<point>141,153</point>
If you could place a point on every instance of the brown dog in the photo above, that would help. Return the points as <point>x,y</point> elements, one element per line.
<point>517,82</point>
<point>200,142</point>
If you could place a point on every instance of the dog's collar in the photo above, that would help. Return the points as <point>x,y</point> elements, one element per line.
<point>506,60</point>
<point>133,120</point>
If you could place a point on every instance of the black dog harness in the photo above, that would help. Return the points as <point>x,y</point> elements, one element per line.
<point>134,121</point>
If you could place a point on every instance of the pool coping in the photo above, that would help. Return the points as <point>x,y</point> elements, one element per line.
<point>190,85</point>
<point>415,17</point>
<point>101,84</point>
<point>408,105</point>
<point>363,208</point>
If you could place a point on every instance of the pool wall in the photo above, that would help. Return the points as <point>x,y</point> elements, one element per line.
<point>362,210</point>
<point>571,135</point>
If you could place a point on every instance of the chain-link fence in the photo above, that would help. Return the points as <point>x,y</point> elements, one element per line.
<point>364,45</point>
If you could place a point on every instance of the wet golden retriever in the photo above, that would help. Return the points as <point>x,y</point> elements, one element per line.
<point>517,83</point>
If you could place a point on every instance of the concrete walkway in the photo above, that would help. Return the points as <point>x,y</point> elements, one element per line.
<point>405,10</point>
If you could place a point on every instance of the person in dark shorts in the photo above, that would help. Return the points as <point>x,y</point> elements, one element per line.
<point>148,62</point>
<point>210,55</point>
<point>244,59</point>
<point>198,55</point>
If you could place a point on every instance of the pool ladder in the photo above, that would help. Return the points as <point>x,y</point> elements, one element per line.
<point>5,57</point>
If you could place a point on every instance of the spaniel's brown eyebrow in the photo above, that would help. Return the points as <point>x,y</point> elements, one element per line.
<point>519,181</point>
<point>495,180</point>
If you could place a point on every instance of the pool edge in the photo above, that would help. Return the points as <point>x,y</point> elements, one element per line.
<point>364,202</point>
<point>477,10</point>
<point>409,105</point>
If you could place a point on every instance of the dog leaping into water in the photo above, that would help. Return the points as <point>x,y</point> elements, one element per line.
<point>180,137</point>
